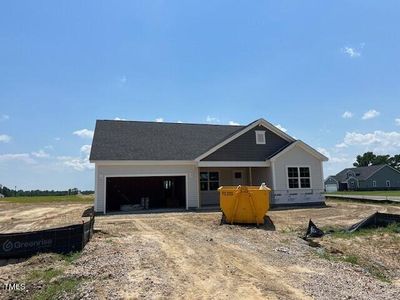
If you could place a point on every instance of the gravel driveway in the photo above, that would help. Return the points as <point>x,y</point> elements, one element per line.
<point>190,256</point>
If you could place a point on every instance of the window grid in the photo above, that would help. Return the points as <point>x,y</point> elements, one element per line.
<point>299,177</point>
<point>209,181</point>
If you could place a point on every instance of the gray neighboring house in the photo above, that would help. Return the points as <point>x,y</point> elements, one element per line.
<point>177,165</point>
<point>364,178</point>
<point>1,195</point>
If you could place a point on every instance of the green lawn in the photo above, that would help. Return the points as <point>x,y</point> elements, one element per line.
<point>50,199</point>
<point>368,193</point>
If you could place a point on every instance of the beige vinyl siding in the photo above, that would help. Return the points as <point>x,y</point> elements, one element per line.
<point>297,157</point>
<point>191,172</point>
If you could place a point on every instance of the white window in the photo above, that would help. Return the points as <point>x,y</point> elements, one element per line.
<point>260,137</point>
<point>299,177</point>
<point>374,183</point>
<point>387,183</point>
<point>209,181</point>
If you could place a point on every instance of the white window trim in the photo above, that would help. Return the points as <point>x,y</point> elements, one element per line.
<point>374,183</point>
<point>260,133</point>
<point>390,184</point>
<point>298,178</point>
<point>208,180</point>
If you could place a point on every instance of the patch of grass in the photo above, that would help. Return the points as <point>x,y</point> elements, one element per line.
<point>355,260</point>
<point>368,193</point>
<point>44,275</point>
<point>54,290</point>
<point>70,257</point>
<point>289,229</point>
<point>53,283</point>
<point>378,273</point>
<point>390,229</point>
<point>352,259</point>
<point>50,199</point>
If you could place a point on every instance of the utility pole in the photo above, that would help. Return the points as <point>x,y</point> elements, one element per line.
<point>15,191</point>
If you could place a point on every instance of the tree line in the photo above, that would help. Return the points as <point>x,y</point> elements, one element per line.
<point>7,192</point>
<point>370,159</point>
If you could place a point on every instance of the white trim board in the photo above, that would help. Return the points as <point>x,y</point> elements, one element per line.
<point>223,164</point>
<point>143,162</point>
<point>261,122</point>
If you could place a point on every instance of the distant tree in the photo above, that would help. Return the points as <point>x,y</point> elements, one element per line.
<point>365,160</point>
<point>395,161</point>
<point>382,160</point>
<point>370,159</point>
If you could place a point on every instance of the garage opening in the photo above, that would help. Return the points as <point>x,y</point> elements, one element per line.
<point>161,192</point>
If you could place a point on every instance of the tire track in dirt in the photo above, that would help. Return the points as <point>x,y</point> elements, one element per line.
<point>232,272</point>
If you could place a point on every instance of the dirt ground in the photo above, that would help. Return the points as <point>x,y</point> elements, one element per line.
<point>17,217</point>
<point>191,256</point>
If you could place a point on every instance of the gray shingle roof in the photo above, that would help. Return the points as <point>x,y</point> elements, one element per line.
<point>136,140</point>
<point>364,172</point>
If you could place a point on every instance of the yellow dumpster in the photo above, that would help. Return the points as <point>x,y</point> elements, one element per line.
<point>244,204</point>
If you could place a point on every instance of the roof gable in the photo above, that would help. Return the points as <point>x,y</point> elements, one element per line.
<point>303,146</point>
<point>245,148</point>
<point>259,122</point>
<point>361,173</point>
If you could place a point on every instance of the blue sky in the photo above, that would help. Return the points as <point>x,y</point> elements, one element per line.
<point>299,64</point>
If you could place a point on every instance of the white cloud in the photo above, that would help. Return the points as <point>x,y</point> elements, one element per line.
<point>351,51</point>
<point>333,159</point>
<point>397,121</point>
<point>76,163</point>
<point>372,113</point>
<point>160,120</point>
<point>213,120</point>
<point>347,115</point>
<point>86,149</point>
<point>324,152</point>
<point>233,123</point>
<point>377,141</point>
<point>280,127</point>
<point>179,122</point>
<point>23,157</point>
<point>119,119</point>
<point>80,163</point>
<point>84,133</point>
<point>4,117</point>
<point>341,145</point>
<point>40,154</point>
<point>376,137</point>
<point>57,139</point>
<point>340,160</point>
<point>4,138</point>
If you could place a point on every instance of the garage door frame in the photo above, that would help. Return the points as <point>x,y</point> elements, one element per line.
<point>146,175</point>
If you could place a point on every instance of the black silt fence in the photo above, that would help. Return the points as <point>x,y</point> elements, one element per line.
<point>58,240</point>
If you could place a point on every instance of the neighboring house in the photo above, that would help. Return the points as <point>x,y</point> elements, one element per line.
<point>364,178</point>
<point>1,196</point>
<point>172,165</point>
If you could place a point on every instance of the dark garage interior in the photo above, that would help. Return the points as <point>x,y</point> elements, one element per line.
<point>161,191</point>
